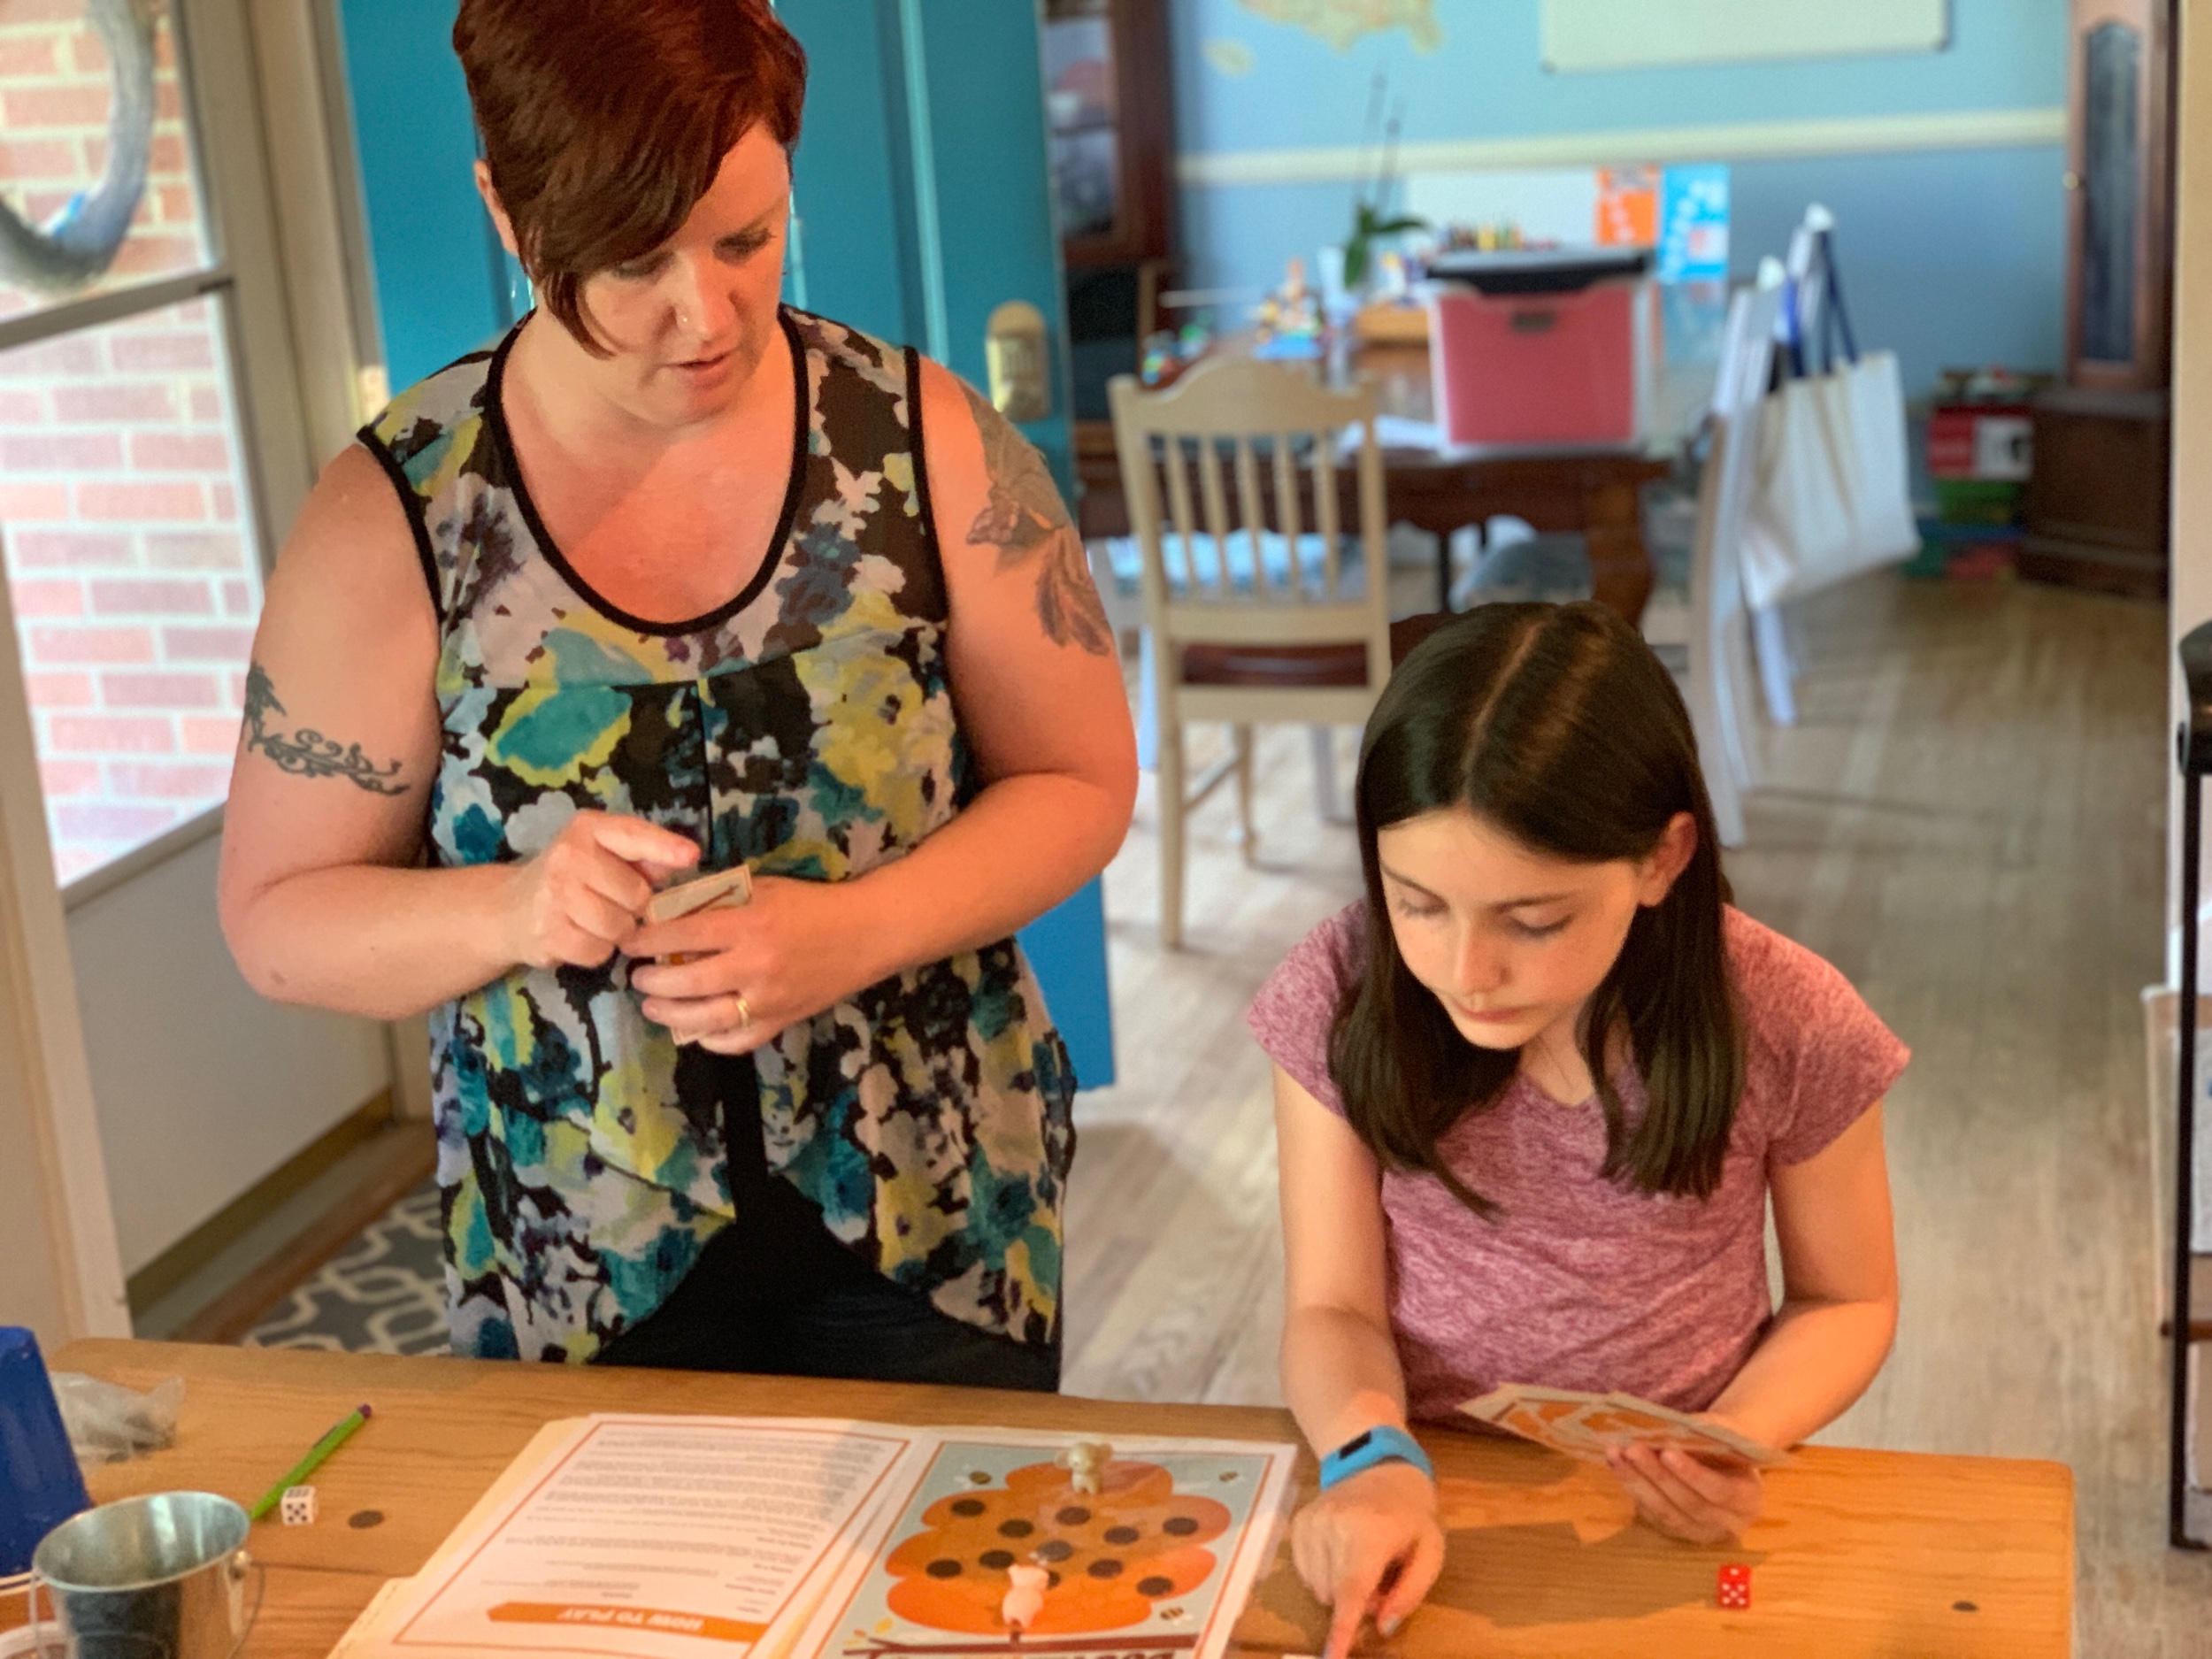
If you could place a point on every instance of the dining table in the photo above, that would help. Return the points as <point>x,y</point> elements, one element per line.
<point>1856,1553</point>
<point>1596,489</point>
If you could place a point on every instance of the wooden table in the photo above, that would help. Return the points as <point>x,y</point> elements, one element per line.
<point>1859,1553</point>
<point>1597,492</point>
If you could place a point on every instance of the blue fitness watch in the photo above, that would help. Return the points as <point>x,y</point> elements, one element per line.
<point>1379,1445</point>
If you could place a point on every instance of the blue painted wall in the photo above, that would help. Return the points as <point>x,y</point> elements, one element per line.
<point>443,283</point>
<point>853,182</point>
<point>1950,257</point>
<point>850,190</point>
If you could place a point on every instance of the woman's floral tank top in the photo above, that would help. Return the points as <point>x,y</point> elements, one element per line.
<point>806,729</point>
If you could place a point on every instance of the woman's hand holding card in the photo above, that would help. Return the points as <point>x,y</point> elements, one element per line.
<point>729,977</point>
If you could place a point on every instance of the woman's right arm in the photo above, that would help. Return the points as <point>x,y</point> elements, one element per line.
<point>1341,1375</point>
<point>320,894</point>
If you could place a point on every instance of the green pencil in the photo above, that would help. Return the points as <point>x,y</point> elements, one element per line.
<point>313,1461</point>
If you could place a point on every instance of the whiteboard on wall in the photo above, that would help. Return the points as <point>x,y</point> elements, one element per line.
<point>1586,35</point>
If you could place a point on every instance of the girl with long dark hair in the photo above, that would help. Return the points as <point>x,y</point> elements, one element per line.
<point>1534,1093</point>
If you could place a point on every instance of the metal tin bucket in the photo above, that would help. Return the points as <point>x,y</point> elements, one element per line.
<point>154,1578</point>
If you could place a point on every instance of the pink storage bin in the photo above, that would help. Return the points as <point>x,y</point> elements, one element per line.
<point>1536,369</point>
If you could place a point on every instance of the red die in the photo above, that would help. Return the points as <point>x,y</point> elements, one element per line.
<point>1735,1587</point>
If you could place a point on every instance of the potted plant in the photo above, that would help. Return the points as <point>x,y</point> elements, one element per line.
<point>1372,218</point>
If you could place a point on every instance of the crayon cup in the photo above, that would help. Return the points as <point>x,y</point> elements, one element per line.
<point>40,1486</point>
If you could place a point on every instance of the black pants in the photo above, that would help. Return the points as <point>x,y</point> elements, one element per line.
<point>774,1292</point>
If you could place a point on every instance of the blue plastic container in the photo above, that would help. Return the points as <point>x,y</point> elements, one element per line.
<point>40,1486</point>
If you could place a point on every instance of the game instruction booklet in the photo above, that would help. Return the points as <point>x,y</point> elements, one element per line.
<point>775,1538</point>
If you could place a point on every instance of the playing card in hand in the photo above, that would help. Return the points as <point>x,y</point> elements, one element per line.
<point>723,887</point>
<point>1588,1426</point>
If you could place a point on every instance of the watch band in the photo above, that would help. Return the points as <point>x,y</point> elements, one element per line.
<point>1382,1444</point>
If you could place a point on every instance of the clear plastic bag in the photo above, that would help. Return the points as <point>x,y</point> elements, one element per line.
<point>110,1424</point>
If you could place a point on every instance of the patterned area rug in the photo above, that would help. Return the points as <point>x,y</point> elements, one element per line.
<point>383,1294</point>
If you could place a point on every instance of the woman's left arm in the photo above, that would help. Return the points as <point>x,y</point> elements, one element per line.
<point>1839,1313</point>
<point>1036,680</point>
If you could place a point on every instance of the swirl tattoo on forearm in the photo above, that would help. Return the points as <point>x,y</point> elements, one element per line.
<point>308,752</point>
<point>1025,520</point>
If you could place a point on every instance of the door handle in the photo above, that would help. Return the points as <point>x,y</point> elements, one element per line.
<point>1020,366</point>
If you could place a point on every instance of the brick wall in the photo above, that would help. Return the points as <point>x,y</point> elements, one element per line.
<point>129,562</point>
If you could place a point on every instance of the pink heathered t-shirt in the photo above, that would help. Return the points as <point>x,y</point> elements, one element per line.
<point>1581,1283</point>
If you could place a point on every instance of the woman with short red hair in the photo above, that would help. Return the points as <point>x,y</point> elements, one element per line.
<point>676,579</point>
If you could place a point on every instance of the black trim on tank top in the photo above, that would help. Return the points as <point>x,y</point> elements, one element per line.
<point>495,412</point>
<point>411,504</point>
<point>921,471</point>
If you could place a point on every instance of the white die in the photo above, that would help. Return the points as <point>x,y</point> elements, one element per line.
<point>298,1506</point>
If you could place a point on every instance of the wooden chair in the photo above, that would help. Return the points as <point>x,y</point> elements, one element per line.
<point>1718,687</point>
<point>1251,620</point>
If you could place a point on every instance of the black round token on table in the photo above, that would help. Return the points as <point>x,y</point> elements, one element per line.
<point>967,1506</point>
<point>943,1570</point>
<point>1106,1570</point>
<point>365,1518</point>
<point>1121,1534</point>
<point>1015,1528</point>
<point>1964,1607</point>
<point>1178,1526</point>
<point>1155,1586</point>
<point>1074,1515</point>
<point>1058,1549</point>
<point>996,1560</point>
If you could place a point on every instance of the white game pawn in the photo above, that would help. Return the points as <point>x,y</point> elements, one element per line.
<point>1085,1461</point>
<point>298,1506</point>
<point>1026,1597</point>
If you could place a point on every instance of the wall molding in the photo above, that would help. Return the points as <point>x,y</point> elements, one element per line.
<point>1719,141</point>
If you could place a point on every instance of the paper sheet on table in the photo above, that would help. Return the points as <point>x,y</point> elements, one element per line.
<point>654,1538</point>
<point>354,1643</point>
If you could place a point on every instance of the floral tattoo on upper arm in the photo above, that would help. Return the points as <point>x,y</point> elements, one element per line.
<point>308,752</point>
<point>1025,520</point>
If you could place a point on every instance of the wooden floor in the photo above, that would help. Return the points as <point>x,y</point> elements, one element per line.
<point>1968,820</point>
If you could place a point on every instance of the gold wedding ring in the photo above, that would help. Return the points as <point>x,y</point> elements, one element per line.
<point>744,1013</point>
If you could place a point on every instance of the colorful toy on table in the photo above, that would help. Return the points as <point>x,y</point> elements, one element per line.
<point>1289,318</point>
<point>1393,280</point>
<point>1025,1595</point>
<point>1086,1461</point>
<point>1167,355</point>
<point>1735,1591</point>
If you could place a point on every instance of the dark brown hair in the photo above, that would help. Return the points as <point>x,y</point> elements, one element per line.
<point>1557,725</point>
<point>603,121</point>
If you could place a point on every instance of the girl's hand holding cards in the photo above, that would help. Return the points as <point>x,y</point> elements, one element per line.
<point>1699,1500</point>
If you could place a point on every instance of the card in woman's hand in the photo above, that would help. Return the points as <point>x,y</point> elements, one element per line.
<point>722,888</point>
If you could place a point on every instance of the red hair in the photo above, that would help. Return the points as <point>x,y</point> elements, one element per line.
<point>605,121</point>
